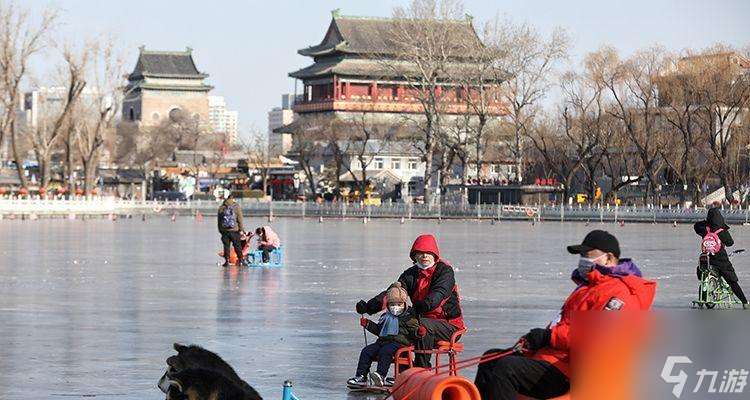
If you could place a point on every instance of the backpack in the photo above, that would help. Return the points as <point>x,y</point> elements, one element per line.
<point>711,243</point>
<point>228,218</point>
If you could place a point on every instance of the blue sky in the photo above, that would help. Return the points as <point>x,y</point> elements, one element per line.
<point>248,47</point>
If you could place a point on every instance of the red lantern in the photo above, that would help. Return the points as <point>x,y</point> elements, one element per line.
<point>42,191</point>
<point>23,191</point>
<point>79,192</point>
<point>3,190</point>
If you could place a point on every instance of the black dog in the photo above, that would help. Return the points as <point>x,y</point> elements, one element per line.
<point>198,374</point>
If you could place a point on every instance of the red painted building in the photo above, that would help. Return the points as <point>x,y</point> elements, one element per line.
<point>352,71</point>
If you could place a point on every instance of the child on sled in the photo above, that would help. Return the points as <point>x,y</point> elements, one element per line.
<point>396,327</point>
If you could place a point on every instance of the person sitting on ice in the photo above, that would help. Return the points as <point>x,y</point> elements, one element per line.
<point>604,282</point>
<point>268,241</point>
<point>432,288</point>
<point>396,327</point>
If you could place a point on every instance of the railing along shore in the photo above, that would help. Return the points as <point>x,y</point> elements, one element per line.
<point>38,208</point>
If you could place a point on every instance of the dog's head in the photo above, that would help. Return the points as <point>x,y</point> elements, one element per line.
<point>169,383</point>
<point>171,386</point>
<point>192,367</point>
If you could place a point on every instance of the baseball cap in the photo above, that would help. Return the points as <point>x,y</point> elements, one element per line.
<point>599,240</point>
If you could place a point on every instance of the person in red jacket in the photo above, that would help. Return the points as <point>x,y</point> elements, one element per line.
<point>604,282</point>
<point>432,289</point>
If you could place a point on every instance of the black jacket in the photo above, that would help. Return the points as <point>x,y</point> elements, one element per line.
<point>442,286</point>
<point>407,329</point>
<point>715,221</point>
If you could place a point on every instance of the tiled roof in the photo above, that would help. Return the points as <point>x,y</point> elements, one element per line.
<point>359,35</point>
<point>166,63</point>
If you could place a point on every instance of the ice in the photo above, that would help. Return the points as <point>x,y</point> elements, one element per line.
<point>69,329</point>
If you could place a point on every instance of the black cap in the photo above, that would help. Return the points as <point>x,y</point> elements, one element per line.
<point>599,240</point>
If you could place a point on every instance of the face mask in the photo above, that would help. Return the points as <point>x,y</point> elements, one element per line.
<point>396,310</point>
<point>585,265</point>
<point>424,266</point>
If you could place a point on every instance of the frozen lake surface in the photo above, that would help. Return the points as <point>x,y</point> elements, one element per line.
<point>91,308</point>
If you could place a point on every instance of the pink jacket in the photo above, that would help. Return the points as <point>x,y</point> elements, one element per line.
<point>272,239</point>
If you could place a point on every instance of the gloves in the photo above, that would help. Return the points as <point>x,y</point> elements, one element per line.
<point>363,321</point>
<point>421,331</point>
<point>537,338</point>
<point>420,307</point>
<point>361,307</point>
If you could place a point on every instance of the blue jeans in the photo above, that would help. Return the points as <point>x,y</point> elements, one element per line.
<point>384,353</point>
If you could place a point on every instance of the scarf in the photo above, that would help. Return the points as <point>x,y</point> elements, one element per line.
<point>389,325</point>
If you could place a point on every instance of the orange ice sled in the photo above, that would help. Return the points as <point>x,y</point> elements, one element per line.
<point>233,254</point>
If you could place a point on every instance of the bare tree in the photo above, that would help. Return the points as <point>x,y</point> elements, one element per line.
<point>634,91</point>
<point>529,60</point>
<point>95,118</point>
<point>684,157</point>
<point>555,152</point>
<point>586,123</point>
<point>259,156</point>
<point>308,141</point>
<point>54,121</point>
<point>620,163</point>
<point>722,93</point>
<point>363,145</point>
<point>20,39</point>
<point>480,78</point>
<point>426,37</point>
<point>146,146</point>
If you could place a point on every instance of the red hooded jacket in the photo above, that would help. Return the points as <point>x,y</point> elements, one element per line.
<point>601,292</point>
<point>433,291</point>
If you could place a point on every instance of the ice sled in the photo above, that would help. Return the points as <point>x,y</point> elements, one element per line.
<point>275,258</point>
<point>233,254</point>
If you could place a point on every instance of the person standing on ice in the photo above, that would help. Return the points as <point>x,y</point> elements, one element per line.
<point>716,230</point>
<point>605,282</point>
<point>432,289</point>
<point>229,218</point>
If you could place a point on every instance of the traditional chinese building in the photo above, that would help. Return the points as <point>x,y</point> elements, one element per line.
<point>352,70</point>
<point>360,79</point>
<point>165,84</point>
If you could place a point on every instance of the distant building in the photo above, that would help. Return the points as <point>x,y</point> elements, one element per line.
<point>231,124</point>
<point>217,106</point>
<point>165,84</point>
<point>48,101</point>
<point>280,143</point>
<point>222,120</point>
<point>351,79</point>
<point>349,75</point>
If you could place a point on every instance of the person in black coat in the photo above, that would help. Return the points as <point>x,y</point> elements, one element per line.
<point>715,221</point>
